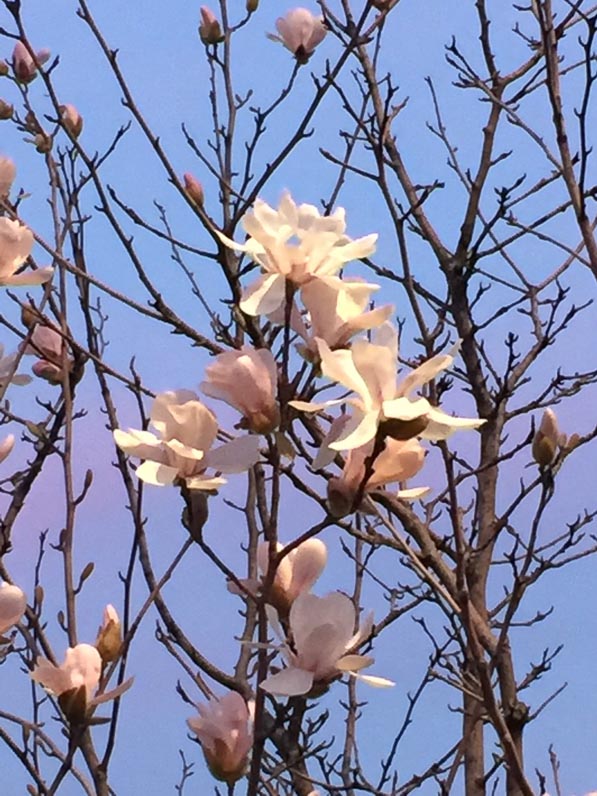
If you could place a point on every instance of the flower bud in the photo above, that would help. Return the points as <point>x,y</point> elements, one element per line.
<point>109,636</point>
<point>193,189</point>
<point>43,143</point>
<point>6,110</point>
<point>24,67</point>
<point>8,173</point>
<point>210,31</point>
<point>252,5</point>
<point>3,68</point>
<point>71,120</point>
<point>547,439</point>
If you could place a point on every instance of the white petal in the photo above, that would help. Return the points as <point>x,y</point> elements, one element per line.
<point>359,430</point>
<point>265,295</point>
<point>415,493</point>
<point>157,474</point>
<point>376,682</point>
<point>289,682</point>
<point>236,456</point>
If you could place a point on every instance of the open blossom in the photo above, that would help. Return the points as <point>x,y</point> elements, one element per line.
<point>75,682</point>
<point>12,606</point>
<point>320,250</point>
<point>300,31</point>
<point>224,728</point>
<point>399,461</point>
<point>25,68</point>
<point>48,345</point>
<point>7,370</point>
<point>295,574</point>
<point>324,645</point>
<point>16,242</point>
<point>8,173</point>
<point>547,439</point>
<point>369,370</point>
<point>248,381</point>
<point>187,430</point>
<point>339,311</point>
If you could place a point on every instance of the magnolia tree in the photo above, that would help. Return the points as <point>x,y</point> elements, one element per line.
<point>262,431</point>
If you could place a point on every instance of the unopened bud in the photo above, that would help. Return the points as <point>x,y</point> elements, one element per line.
<point>6,110</point>
<point>71,119</point>
<point>43,143</point>
<point>30,315</point>
<point>109,636</point>
<point>210,31</point>
<point>194,189</point>
<point>547,439</point>
<point>3,68</point>
<point>73,704</point>
<point>252,5</point>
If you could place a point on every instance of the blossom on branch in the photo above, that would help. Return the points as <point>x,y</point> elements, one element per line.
<point>8,173</point>
<point>246,380</point>
<point>7,370</point>
<point>187,430</point>
<point>13,604</point>
<point>337,311</point>
<point>53,360</point>
<point>109,636</point>
<point>323,646</point>
<point>399,461</point>
<point>547,439</point>
<point>76,680</point>
<point>6,447</point>
<point>369,370</point>
<point>210,30</point>
<point>320,250</point>
<point>300,31</point>
<point>224,728</point>
<point>295,574</point>
<point>24,67</point>
<point>16,242</point>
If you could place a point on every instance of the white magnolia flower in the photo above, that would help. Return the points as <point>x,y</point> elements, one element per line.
<point>12,606</point>
<point>16,242</point>
<point>294,243</point>
<point>300,31</point>
<point>187,430</point>
<point>8,173</point>
<point>324,644</point>
<point>369,370</point>
<point>7,370</point>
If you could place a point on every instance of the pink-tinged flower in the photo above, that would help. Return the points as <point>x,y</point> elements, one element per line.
<point>339,311</point>
<point>76,681</point>
<point>71,119</point>
<point>8,366</point>
<point>300,31</point>
<point>187,429</point>
<point>109,636</point>
<point>6,447</point>
<point>24,67</point>
<point>369,370</point>
<point>548,439</point>
<point>323,646</point>
<point>399,461</point>
<point>210,31</point>
<point>294,243</point>
<point>224,728</point>
<point>248,381</point>
<point>53,360</point>
<point>295,574</point>
<point>16,242</point>
<point>13,604</point>
<point>8,173</point>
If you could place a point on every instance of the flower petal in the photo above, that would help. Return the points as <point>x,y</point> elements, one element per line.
<point>289,682</point>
